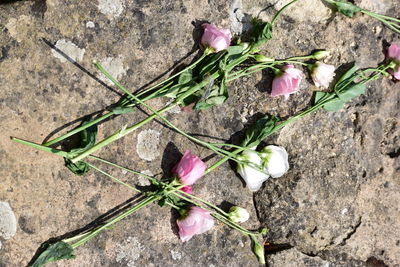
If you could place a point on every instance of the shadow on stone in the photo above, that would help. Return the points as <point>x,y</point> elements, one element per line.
<point>92,225</point>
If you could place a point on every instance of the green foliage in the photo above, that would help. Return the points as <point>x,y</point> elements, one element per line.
<point>54,252</point>
<point>121,110</point>
<point>260,130</point>
<point>87,140</point>
<point>261,32</point>
<point>344,90</point>
<point>346,8</point>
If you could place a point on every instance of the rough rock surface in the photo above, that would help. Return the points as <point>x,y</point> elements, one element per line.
<point>337,206</point>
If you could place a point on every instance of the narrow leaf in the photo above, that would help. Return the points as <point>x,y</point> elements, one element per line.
<point>347,8</point>
<point>54,252</point>
<point>351,91</point>
<point>235,49</point>
<point>121,110</point>
<point>318,96</point>
<point>334,105</point>
<point>185,77</point>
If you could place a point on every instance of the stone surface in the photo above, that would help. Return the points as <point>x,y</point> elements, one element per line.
<point>8,223</point>
<point>337,206</point>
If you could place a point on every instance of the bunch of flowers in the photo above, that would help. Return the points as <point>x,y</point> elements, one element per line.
<point>201,85</point>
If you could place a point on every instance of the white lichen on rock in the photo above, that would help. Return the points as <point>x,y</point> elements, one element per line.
<point>90,24</point>
<point>129,251</point>
<point>114,66</point>
<point>147,144</point>
<point>176,255</point>
<point>111,8</point>
<point>70,49</point>
<point>8,223</point>
<point>142,180</point>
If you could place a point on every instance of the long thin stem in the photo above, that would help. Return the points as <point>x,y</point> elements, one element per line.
<point>125,101</point>
<point>281,10</point>
<point>138,206</point>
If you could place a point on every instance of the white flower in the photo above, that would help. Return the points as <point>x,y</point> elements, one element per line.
<point>322,74</point>
<point>252,176</point>
<point>238,214</point>
<point>275,160</point>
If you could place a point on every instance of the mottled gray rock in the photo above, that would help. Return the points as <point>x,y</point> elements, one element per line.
<point>337,204</point>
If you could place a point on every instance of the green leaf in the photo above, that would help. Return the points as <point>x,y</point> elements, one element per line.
<point>87,140</point>
<point>185,77</point>
<point>351,91</point>
<point>216,100</point>
<point>202,105</point>
<point>334,105</point>
<point>80,168</point>
<point>318,96</point>
<point>121,110</point>
<point>347,75</point>
<point>54,252</point>
<point>235,49</point>
<point>347,8</point>
<point>260,130</point>
<point>262,32</point>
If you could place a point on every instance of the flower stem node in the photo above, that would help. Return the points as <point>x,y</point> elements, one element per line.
<point>320,54</point>
<point>238,214</point>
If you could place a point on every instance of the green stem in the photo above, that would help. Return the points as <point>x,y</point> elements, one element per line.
<point>138,206</point>
<point>280,11</point>
<point>126,100</point>
<point>121,133</point>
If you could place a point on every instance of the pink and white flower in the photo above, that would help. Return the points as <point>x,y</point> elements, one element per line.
<point>322,74</point>
<point>197,221</point>
<point>286,82</point>
<point>218,39</point>
<point>189,169</point>
<point>393,54</point>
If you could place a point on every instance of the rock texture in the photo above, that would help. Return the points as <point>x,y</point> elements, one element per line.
<point>337,206</point>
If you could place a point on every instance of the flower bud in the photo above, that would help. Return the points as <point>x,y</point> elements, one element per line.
<point>275,160</point>
<point>252,176</point>
<point>258,249</point>
<point>262,58</point>
<point>238,214</point>
<point>393,55</point>
<point>320,54</point>
<point>322,74</point>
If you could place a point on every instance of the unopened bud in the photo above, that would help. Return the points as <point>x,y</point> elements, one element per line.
<point>258,249</point>
<point>321,54</point>
<point>262,58</point>
<point>238,214</point>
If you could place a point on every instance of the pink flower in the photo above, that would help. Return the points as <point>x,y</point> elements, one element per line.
<point>197,221</point>
<point>322,74</point>
<point>187,189</point>
<point>218,39</point>
<point>189,169</point>
<point>287,82</point>
<point>394,56</point>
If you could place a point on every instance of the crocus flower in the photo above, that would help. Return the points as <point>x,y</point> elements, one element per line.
<point>322,74</point>
<point>393,55</point>
<point>218,39</point>
<point>189,169</point>
<point>286,82</point>
<point>252,176</point>
<point>238,214</point>
<point>196,221</point>
<point>275,160</point>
